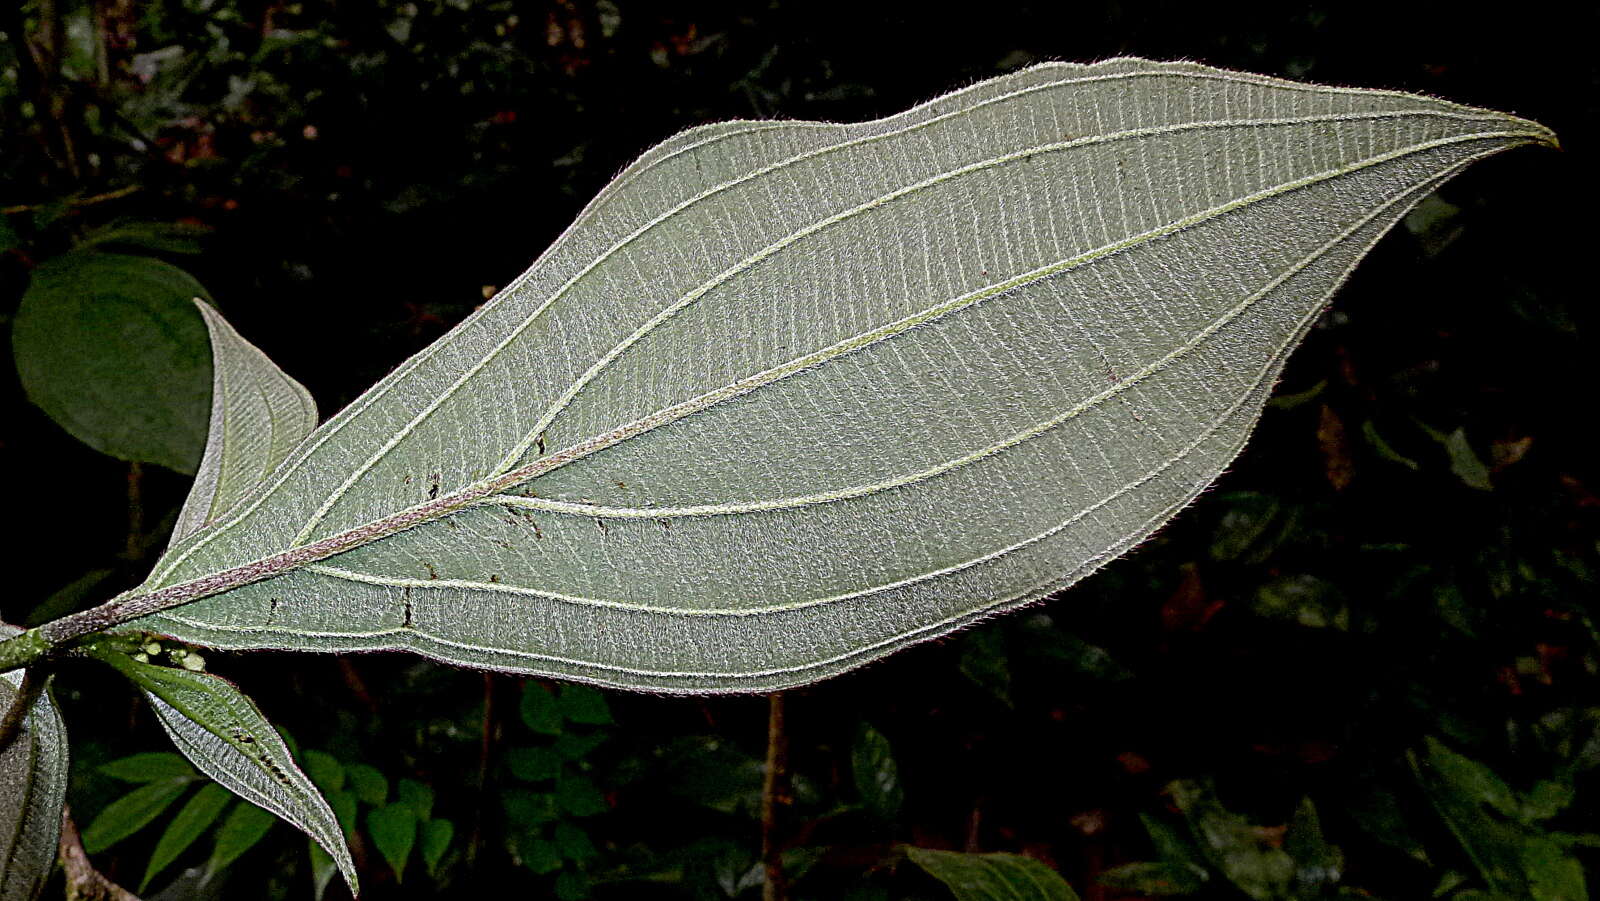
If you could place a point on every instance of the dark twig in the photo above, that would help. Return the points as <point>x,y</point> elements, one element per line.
<point>118,194</point>
<point>485,746</point>
<point>134,548</point>
<point>774,793</point>
<point>84,882</point>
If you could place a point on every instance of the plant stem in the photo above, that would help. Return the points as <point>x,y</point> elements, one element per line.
<point>774,792</point>
<point>84,882</point>
<point>21,650</point>
<point>133,548</point>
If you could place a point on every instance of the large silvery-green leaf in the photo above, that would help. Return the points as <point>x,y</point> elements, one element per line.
<point>790,396</point>
<point>33,789</point>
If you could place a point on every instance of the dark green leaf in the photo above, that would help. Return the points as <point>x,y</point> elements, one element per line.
<point>877,777</point>
<point>576,747</point>
<point>1553,874</point>
<point>538,855</point>
<point>1318,866</point>
<point>1154,878</point>
<point>578,796</point>
<point>992,877</point>
<point>571,885</point>
<point>436,836</point>
<point>191,822</point>
<point>113,349</point>
<point>344,810</point>
<point>417,796</point>
<point>984,662</point>
<point>152,766</point>
<point>574,843</point>
<point>394,831</point>
<point>539,710</point>
<point>154,237</point>
<point>245,826</point>
<point>527,808</point>
<point>582,704</point>
<point>1232,845</point>
<point>325,770</point>
<point>1460,789</point>
<point>533,764</point>
<point>131,812</point>
<point>367,783</point>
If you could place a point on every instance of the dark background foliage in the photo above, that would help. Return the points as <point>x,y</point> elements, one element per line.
<point>1407,549</point>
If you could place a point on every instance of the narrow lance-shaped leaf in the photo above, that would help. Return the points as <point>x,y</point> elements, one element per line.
<point>33,787</point>
<point>258,415</point>
<point>790,396</point>
<point>992,877</point>
<point>227,738</point>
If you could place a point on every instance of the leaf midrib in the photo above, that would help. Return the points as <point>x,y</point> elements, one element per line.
<point>302,555</point>
<point>1032,592</point>
<point>381,389</point>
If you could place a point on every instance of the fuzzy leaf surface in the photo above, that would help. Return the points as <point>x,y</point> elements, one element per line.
<point>227,738</point>
<point>258,415</point>
<point>789,396</point>
<point>33,789</point>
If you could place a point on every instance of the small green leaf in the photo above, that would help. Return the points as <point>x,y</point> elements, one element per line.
<point>984,662</point>
<point>578,796</point>
<point>1553,874</point>
<point>1154,878</point>
<point>538,855</point>
<point>344,810</point>
<point>576,747</point>
<point>131,812</point>
<point>325,770</point>
<point>192,821</point>
<point>1318,865</point>
<point>992,877</point>
<point>245,826</point>
<point>574,843</point>
<point>367,783</point>
<point>436,836</point>
<point>528,808</point>
<point>417,796</point>
<point>1547,799</point>
<point>582,704</point>
<point>112,348</point>
<point>1465,463</point>
<point>1232,845</point>
<point>539,710</point>
<point>533,764</point>
<point>153,237</point>
<point>877,777</point>
<point>394,831</point>
<point>153,766</point>
<point>571,885</point>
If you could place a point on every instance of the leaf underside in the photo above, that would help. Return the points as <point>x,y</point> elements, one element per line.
<point>224,735</point>
<point>790,396</point>
<point>33,787</point>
